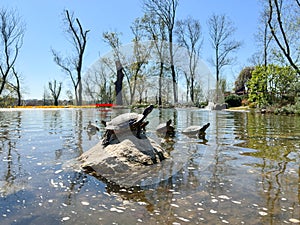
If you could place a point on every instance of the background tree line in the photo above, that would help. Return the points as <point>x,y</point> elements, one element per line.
<point>135,77</point>
<point>273,79</point>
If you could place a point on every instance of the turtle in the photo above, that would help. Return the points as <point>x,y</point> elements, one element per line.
<point>196,130</point>
<point>166,129</point>
<point>91,127</point>
<point>125,122</point>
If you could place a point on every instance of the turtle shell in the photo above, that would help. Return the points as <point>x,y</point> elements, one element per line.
<point>191,130</point>
<point>161,127</point>
<point>123,121</point>
<point>164,127</point>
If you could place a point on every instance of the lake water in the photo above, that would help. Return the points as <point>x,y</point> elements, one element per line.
<point>247,171</point>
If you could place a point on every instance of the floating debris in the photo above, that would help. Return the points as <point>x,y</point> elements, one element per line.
<point>85,203</point>
<point>262,213</point>
<point>53,183</point>
<point>65,218</point>
<point>58,171</point>
<point>116,210</point>
<point>142,203</point>
<point>223,197</point>
<point>292,220</point>
<point>236,202</point>
<point>191,168</point>
<point>213,211</point>
<point>183,219</point>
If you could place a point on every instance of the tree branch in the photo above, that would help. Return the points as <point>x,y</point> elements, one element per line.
<point>285,49</point>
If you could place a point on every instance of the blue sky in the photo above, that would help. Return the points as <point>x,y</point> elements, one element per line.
<point>44,30</point>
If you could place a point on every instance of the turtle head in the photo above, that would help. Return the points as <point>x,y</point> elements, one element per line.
<point>204,127</point>
<point>103,122</point>
<point>148,110</point>
<point>169,122</point>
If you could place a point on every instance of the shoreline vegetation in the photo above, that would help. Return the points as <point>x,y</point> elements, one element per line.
<point>270,110</point>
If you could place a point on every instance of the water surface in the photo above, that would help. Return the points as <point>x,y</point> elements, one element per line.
<point>245,172</point>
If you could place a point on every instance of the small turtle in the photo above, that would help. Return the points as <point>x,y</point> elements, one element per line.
<point>166,129</point>
<point>196,130</point>
<point>91,127</point>
<point>124,122</point>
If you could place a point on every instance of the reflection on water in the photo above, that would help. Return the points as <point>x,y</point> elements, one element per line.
<point>245,172</point>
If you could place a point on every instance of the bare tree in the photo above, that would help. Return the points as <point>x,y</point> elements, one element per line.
<point>156,31</point>
<point>264,38</point>
<point>112,38</point>
<point>141,86</point>
<point>55,91</point>
<point>221,31</point>
<point>284,28</point>
<point>17,86</point>
<point>97,83</point>
<point>72,65</point>
<point>12,31</point>
<point>190,37</point>
<point>141,53</point>
<point>166,10</point>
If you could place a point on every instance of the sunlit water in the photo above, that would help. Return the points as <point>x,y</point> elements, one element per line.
<point>247,171</point>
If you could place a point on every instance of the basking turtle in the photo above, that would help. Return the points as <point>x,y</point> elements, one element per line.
<point>166,129</point>
<point>123,123</point>
<point>196,130</point>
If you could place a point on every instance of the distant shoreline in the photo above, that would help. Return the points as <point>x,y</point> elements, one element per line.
<point>27,108</point>
<point>21,108</point>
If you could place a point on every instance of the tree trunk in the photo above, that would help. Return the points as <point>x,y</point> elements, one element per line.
<point>283,45</point>
<point>160,84</point>
<point>217,74</point>
<point>172,67</point>
<point>56,101</point>
<point>18,89</point>
<point>174,84</point>
<point>192,90</point>
<point>119,83</point>
<point>76,96</point>
<point>80,93</point>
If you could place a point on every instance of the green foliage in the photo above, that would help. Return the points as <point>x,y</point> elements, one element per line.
<point>201,104</point>
<point>273,85</point>
<point>257,86</point>
<point>289,109</point>
<point>233,100</point>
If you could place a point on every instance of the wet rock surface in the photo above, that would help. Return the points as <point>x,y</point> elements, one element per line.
<point>128,158</point>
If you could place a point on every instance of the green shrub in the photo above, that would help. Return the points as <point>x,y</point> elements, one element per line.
<point>233,100</point>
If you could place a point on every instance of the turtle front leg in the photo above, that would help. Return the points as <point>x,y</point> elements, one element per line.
<point>144,124</point>
<point>106,138</point>
<point>138,132</point>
